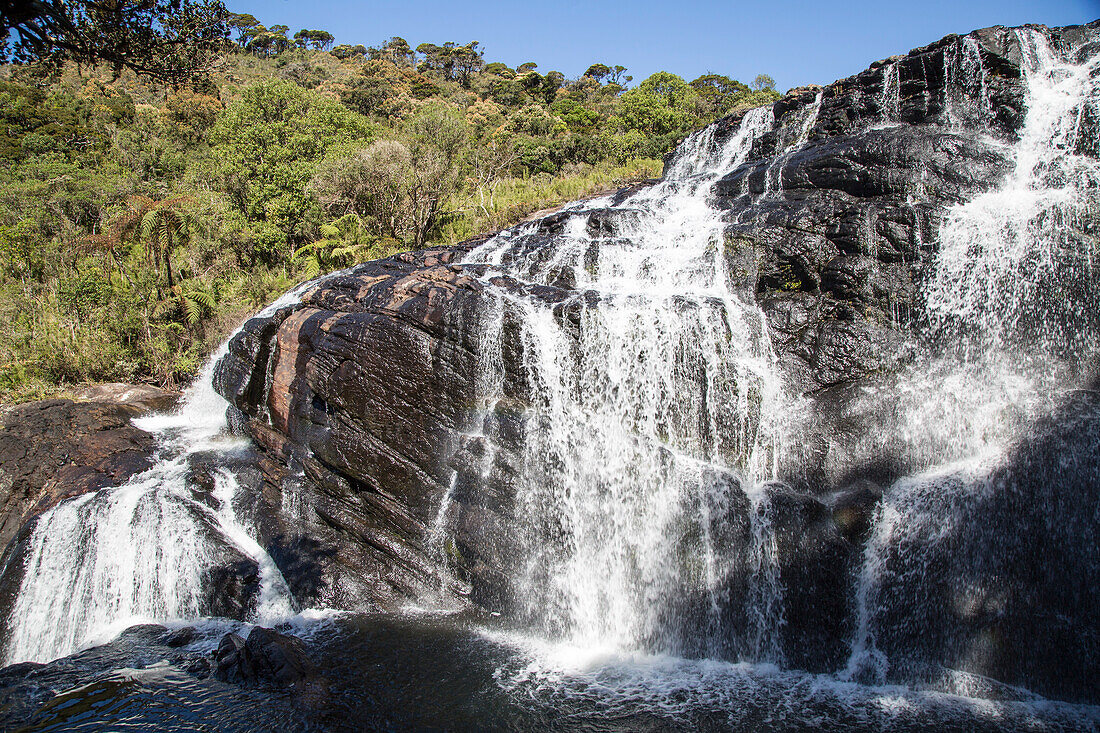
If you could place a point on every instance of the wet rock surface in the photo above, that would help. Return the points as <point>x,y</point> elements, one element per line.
<point>360,396</point>
<point>163,679</point>
<point>58,449</point>
<point>264,656</point>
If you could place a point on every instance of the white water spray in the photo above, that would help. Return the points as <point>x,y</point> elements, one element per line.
<point>654,416</point>
<point>1013,302</point>
<point>142,552</point>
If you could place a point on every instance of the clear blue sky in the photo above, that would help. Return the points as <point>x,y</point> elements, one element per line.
<point>795,41</point>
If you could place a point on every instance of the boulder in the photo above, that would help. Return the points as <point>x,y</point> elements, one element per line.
<point>266,656</point>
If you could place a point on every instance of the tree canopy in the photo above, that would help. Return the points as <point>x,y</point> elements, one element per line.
<point>169,40</point>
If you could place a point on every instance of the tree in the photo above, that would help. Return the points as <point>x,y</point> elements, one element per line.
<point>371,92</point>
<point>318,40</point>
<point>266,147</point>
<point>719,94</point>
<point>544,87</point>
<point>344,51</point>
<point>245,26</point>
<point>763,82</point>
<point>279,41</point>
<point>499,69</point>
<point>159,226</point>
<point>396,50</point>
<point>191,300</point>
<point>653,116</point>
<point>437,58</point>
<point>168,40</point>
<point>401,188</point>
<point>599,72</point>
<point>467,60</point>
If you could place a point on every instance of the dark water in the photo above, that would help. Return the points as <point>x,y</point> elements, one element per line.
<point>426,672</point>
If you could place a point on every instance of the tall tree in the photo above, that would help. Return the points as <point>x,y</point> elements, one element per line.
<point>169,40</point>
<point>319,40</point>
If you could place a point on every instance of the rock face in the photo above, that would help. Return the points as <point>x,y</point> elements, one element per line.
<point>309,386</point>
<point>361,395</point>
<point>57,449</point>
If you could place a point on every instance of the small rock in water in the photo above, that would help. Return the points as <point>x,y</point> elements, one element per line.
<point>266,656</point>
<point>180,637</point>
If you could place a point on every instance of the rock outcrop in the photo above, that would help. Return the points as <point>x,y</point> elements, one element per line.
<point>361,396</point>
<point>265,656</point>
<point>362,388</point>
<point>57,449</point>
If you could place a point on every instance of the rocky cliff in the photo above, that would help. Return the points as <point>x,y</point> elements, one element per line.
<point>362,395</point>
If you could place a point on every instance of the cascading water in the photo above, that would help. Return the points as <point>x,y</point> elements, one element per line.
<point>654,414</point>
<point>1013,302</point>
<point>142,552</point>
<point>632,422</point>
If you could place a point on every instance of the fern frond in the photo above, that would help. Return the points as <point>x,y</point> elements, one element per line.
<point>164,307</point>
<point>311,268</point>
<point>204,298</point>
<point>192,310</point>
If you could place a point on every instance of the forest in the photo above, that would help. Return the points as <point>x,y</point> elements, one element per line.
<point>150,202</point>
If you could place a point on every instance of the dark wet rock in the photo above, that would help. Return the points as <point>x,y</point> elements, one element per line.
<point>147,674</point>
<point>369,381</point>
<point>266,656</point>
<point>58,449</point>
<point>361,396</point>
<point>813,569</point>
<point>233,662</point>
<point>180,637</point>
<point>1029,613</point>
<point>231,588</point>
<point>852,508</point>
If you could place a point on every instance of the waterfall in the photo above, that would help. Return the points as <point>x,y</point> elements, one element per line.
<point>618,466</point>
<point>1013,304</point>
<point>653,414</point>
<point>143,551</point>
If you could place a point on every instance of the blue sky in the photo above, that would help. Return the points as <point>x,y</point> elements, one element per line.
<point>795,41</point>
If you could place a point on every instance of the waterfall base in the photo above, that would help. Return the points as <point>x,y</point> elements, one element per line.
<point>430,672</point>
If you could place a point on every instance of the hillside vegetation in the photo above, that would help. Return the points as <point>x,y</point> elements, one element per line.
<point>141,220</point>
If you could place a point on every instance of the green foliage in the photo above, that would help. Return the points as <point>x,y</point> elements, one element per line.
<point>169,40</point>
<point>140,223</point>
<point>661,105</point>
<point>265,150</point>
